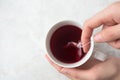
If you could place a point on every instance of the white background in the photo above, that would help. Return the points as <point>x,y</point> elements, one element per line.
<point>23,28</point>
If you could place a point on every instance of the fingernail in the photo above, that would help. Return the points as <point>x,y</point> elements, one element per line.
<point>98,38</point>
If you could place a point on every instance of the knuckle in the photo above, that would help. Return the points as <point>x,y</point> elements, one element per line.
<point>60,70</point>
<point>117,46</point>
<point>87,22</point>
<point>116,3</point>
<point>110,34</point>
<point>114,6</point>
<point>107,34</point>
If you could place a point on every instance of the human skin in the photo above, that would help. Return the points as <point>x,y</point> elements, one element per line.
<point>109,18</point>
<point>93,69</point>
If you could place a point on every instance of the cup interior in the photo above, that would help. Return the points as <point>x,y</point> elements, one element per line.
<point>58,62</point>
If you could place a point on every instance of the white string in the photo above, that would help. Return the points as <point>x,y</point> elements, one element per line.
<point>79,44</point>
<point>97,54</point>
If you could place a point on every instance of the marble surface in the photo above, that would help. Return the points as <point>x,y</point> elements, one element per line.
<point>23,28</point>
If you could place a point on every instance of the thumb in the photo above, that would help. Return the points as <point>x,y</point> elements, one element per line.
<point>108,34</point>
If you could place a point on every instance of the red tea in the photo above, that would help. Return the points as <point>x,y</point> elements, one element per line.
<point>59,44</point>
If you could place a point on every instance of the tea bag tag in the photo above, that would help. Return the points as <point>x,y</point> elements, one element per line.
<point>99,55</point>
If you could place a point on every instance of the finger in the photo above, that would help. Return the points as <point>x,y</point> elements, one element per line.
<point>89,64</point>
<point>94,22</point>
<point>53,64</point>
<point>71,73</point>
<point>105,70</point>
<point>115,44</point>
<point>108,34</point>
<point>77,74</point>
<point>60,69</point>
<point>81,72</point>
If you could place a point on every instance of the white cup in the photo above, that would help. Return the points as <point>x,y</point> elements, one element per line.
<point>97,54</point>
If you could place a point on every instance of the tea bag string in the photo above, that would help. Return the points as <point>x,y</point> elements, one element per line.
<point>97,54</point>
<point>80,45</point>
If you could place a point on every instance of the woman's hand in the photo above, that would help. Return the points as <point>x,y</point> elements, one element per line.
<point>110,19</point>
<point>92,70</point>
